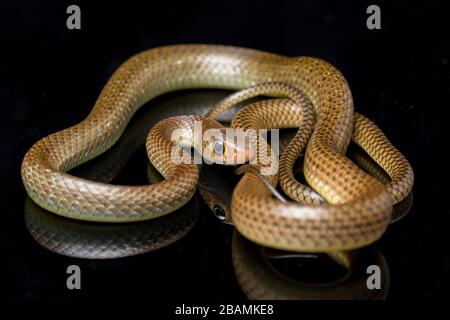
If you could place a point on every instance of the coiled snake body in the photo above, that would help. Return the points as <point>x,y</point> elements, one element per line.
<point>359,206</point>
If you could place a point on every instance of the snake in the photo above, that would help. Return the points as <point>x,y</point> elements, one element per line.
<point>256,271</point>
<point>87,240</point>
<point>357,209</point>
<point>255,274</point>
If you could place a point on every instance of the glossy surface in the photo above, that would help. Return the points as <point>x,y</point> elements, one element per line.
<point>360,207</point>
<point>399,77</point>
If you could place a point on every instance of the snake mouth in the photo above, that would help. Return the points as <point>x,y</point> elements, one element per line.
<point>219,213</point>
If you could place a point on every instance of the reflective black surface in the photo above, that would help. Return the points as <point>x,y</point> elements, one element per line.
<point>51,76</point>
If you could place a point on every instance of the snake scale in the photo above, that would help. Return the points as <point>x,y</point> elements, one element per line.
<point>357,209</point>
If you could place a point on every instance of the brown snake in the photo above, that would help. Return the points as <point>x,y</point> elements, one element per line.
<point>358,209</point>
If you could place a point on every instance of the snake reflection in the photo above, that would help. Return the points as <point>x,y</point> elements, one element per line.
<point>254,265</point>
<point>254,272</point>
<point>103,241</point>
<point>358,207</point>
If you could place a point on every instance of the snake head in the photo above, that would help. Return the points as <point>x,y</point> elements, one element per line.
<point>227,146</point>
<point>218,202</point>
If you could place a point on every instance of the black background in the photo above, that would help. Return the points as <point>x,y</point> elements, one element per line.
<point>51,76</point>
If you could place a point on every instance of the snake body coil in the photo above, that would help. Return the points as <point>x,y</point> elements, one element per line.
<point>359,206</point>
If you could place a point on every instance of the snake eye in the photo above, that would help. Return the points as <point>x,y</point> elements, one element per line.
<point>218,146</point>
